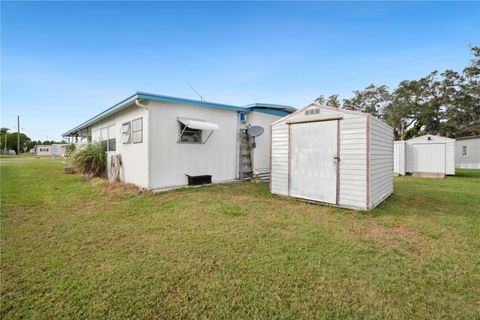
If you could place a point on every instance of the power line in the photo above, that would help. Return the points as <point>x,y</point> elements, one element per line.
<point>393,66</point>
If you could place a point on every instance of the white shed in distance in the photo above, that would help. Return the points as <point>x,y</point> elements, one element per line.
<point>425,156</point>
<point>334,156</point>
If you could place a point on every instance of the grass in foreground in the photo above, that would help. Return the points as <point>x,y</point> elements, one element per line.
<point>80,249</point>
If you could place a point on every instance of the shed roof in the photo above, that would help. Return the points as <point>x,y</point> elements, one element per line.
<point>273,108</point>
<point>427,136</point>
<point>314,104</point>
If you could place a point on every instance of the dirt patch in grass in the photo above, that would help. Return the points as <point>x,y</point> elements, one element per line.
<point>396,237</point>
<point>116,190</point>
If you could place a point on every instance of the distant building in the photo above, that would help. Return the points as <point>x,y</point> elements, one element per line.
<point>467,152</point>
<point>42,150</point>
<point>55,150</point>
<point>426,155</point>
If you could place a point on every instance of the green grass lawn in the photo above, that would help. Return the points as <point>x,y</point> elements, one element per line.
<point>77,249</point>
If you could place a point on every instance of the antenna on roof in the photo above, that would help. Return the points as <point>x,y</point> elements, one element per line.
<point>201,98</point>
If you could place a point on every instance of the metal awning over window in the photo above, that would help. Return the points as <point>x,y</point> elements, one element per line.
<point>197,125</point>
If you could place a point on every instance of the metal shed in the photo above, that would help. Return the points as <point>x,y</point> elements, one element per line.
<point>425,156</point>
<point>334,156</point>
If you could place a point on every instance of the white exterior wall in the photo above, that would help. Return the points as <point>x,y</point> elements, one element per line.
<point>170,160</point>
<point>381,161</point>
<point>449,152</point>
<point>134,155</point>
<point>472,159</point>
<point>261,154</point>
<point>59,149</point>
<point>399,158</point>
<point>353,156</point>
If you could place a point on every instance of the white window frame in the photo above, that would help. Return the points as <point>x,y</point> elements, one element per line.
<point>97,133</point>
<point>135,131</point>
<point>126,131</point>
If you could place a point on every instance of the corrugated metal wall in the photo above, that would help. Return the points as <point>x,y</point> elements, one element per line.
<point>381,161</point>
<point>399,158</point>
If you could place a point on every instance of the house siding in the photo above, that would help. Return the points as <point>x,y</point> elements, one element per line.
<point>134,155</point>
<point>261,154</point>
<point>171,161</point>
<point>472,159</point>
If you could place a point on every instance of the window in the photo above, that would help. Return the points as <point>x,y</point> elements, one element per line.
<point>189,135</point>
<point>106,136</point>
<point>464,151</point>
<point>137,130</point>
<point>112,145</point>
<point>105,145</point>
<point>311,112</point>
<point>126,133</point>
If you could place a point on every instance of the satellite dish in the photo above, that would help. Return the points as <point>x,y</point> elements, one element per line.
<point>255,131</point>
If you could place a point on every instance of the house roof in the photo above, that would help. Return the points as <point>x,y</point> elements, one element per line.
<point>282,107</point>
<point>262,107</point>
<point>468,137</point>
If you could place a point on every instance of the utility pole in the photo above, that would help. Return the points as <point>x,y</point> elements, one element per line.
<point>18,135</point>
<point>6,136</point>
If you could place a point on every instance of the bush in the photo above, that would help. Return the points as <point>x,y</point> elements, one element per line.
<point>70,150</point>
<point>90,159</point>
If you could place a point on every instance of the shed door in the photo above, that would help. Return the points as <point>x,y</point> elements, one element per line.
<point>428,157</point>
<point>313,167</point>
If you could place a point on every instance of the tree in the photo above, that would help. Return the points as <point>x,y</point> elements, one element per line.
<point>12,141</point>
<point>333,101</point>
<point>446,103</point>
<point>3,135</point>
<point>320,99</point>
<point>468,98</point>
<point>371,100</point>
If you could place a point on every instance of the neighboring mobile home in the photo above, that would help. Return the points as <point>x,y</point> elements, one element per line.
<point>162,140</point>
<point>42,150</point>
<point>428,156</point>
<point>55,150</point>
<point>334,156</point>
<point>467,152</point>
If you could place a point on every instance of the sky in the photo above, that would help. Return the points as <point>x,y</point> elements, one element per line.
<point>64,62</point>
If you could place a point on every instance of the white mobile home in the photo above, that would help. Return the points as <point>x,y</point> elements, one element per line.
<point>334,156</point>
<point>427,155</point>
<point>467,152</point>
<point>42,150</point>
<point>165,140</point>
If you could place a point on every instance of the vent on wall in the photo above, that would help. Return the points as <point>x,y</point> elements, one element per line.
<point>312,111</point>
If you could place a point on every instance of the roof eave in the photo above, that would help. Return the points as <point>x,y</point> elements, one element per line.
<point>162,98</point>
<point>113,109</point>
